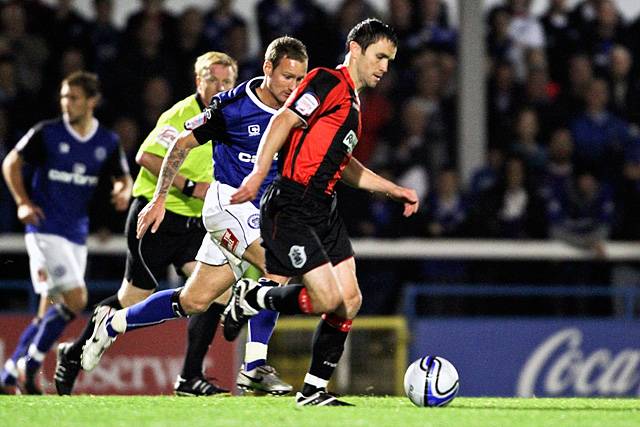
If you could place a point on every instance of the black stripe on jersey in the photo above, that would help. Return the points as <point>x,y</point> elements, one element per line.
<point>336,153</point>
<point>31,145</point>
<point>304,136</point>
<point>321,85</point>
<point>217,131</point>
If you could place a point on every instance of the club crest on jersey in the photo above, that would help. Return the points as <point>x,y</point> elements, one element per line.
<point>254,221</point>
<point>229,241</point>
<point>254,130</point>
<point>100,153</point>
<point>59,271</point>
<point>64,147</point>
<point>298,256</point>
<point>306,104</point>
<point>351,140</point>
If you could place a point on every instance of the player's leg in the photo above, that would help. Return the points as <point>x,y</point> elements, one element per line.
<point>330,336</point>
<point>235,230</point>
<point>40,281</point>
<point>65,264</point>
<point>201,331</point>
<point>206,284</point>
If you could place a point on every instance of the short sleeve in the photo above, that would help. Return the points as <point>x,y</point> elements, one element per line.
<point>31,146</point>
<point>311,98</point>
<point>116,165</point>
<point>208,125</point>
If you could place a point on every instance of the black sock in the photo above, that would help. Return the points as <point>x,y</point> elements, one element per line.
<point>202,328</point>
<point>290,299</point>
<point>75,351</point>
<point>328,346</point>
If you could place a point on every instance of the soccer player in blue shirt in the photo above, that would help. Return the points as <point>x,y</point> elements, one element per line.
<point>234,121</point>
<point>68,156</point>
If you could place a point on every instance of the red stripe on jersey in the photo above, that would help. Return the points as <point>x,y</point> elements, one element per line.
<point>317,155</point>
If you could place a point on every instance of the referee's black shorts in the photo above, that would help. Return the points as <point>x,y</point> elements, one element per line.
<point>176,242</point>
<point>301,230</point>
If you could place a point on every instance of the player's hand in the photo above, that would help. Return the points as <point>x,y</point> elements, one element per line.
<point>248,190</point>
<point>200,190</point>
<point>120,198</point>
<point>409,197</point>
<point>150,216</point>
<point>30,213</point>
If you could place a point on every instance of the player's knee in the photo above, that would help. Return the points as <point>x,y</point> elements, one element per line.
<point>78,303</point>
<point>330,300</point>
<point>194,304</point>
<point>352,303</point>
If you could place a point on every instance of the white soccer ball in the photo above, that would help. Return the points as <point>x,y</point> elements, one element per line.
<point>431,381</point>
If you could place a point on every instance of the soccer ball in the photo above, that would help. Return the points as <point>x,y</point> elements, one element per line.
<point>431,381</point>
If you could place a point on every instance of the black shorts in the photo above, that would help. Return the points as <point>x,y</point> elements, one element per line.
<point>301,231</point>
<point>176,242</point>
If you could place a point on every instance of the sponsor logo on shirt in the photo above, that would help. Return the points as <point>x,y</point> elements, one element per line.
<point>254,130</point>
<point>306,104</point>
<point>77,177</point>
<point>229,241</point>
<point>298,256</point>
<point>351,140</point>
<point>251,158</point>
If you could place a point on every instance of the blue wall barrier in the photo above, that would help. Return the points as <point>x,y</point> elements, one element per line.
<point>535,357</point>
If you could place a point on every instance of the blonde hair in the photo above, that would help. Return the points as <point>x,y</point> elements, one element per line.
<point>208,59</point>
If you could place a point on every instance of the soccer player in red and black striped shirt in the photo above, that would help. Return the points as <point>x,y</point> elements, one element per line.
<point>317,131</point>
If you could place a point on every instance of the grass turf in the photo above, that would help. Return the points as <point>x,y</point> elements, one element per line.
<point>157,411</point>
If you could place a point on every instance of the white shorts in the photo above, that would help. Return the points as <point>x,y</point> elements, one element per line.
<point>231,229</point>
<point>62,262</point>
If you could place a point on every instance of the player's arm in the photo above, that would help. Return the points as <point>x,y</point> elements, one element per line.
<point>153,163</point>
<point>153,214</point>
<point>28,212</point>
<point>272,141</point>
<point>358,176</point>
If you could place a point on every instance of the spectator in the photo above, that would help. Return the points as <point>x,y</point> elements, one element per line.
<point>103,39</point>
<point>191,42</point>
<point>561,38</point>
<point>526,144</point>
<point>505,210</point>
<point>609,30</point>
<point>571,98</point>
<point>600,137</point>
<point>525,32</point>
<point>624,91</point>
<point>582,214</point>
<point>447,207</point>
<point>503,99</point>
<point>30,51</point>
<point>152,10</point>
<point>486,177</point>
<point>432,29</point>
<point>218,22</point>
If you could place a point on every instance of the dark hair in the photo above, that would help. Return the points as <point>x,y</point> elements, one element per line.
<point>87,81</point>
<point>285,46</point>
<point>370,31</point>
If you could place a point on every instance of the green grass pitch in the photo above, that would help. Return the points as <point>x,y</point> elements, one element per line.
<point>160,411</point>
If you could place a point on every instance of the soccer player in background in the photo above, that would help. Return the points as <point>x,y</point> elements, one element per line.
<point>234,121</point>
<point>68,156</point>
<point>177,241</point>
<point>301,230</point>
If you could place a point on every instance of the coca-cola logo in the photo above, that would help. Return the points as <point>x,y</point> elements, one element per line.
<point>560,366</point>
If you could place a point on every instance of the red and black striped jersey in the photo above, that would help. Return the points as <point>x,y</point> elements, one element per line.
<point>318,152</point>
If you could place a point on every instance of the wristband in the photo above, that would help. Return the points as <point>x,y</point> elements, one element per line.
<point>189,187</point>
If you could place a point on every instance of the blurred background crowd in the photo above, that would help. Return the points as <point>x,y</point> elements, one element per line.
<point>563,105</point>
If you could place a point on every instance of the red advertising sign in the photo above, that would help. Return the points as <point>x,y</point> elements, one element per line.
<point>145,361</point>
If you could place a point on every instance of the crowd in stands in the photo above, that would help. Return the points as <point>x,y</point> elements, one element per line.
<point>563,107</point>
